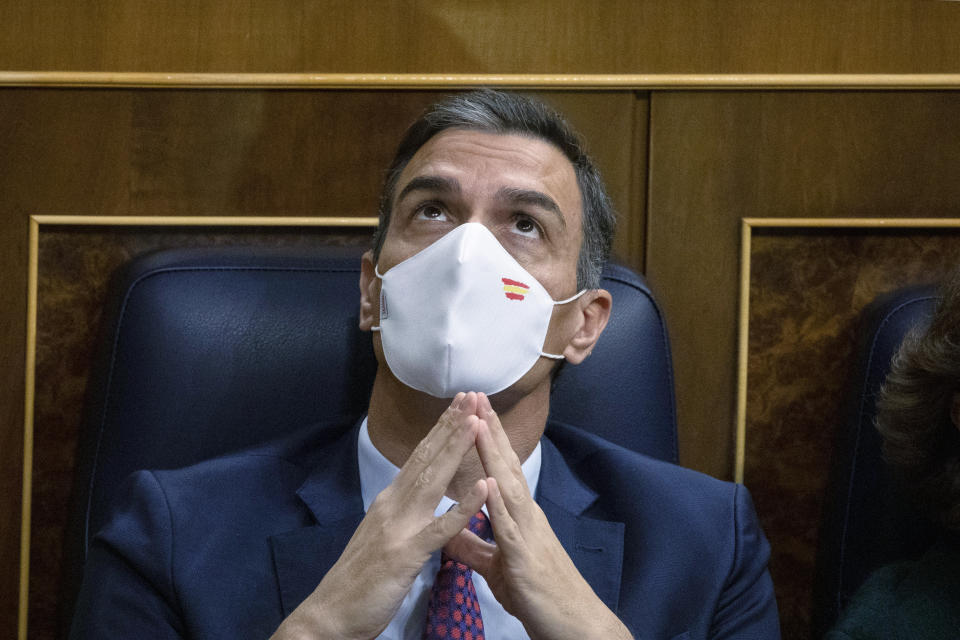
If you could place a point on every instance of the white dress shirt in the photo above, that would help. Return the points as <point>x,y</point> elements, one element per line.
<point>376,473</point>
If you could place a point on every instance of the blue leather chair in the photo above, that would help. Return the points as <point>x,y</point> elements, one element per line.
<point>206,351</point>
<point>867,521</point>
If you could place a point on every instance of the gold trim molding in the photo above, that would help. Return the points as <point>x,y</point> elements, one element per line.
<point>576,82</point>
<point>746,235</point>
<point>30,376</point>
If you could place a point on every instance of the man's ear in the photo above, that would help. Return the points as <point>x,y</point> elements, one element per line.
<point>369,293</point>
<point>594,307</point>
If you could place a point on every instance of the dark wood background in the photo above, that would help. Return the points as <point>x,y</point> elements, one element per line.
<point>534,36</point>
<point>683,166</point>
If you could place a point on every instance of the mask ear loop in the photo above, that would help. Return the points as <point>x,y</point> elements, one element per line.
<point>553,356</point>
<point>573,297</point>
<point>376,272</point>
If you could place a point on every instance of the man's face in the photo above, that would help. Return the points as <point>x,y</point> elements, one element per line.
<point>522,189</point>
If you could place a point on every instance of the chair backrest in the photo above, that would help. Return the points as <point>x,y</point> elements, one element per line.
<point>867,521</point>
<point>206,351</point>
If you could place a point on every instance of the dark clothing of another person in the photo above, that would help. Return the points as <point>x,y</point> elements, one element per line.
<point>917,599</point>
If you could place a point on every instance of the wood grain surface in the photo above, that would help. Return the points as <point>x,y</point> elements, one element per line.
<point>537,36</point>
<point>719,156</point>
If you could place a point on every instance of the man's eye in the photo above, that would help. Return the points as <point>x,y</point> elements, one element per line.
<point>524,225</point>
<point>430,212</point>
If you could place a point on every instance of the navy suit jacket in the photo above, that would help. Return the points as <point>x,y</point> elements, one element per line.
<point>229,547</point>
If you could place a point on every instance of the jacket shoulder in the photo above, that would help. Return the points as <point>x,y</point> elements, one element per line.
<point>623,478</point>
<point>692,544</point>
<point>292,456</point>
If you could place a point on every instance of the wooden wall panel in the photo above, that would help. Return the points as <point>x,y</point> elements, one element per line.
<point>194,152</point>
<point>716,157</point>
<point>183,152</point>
<point>539,36</point>
<point>614,126</point>
<point>13,292</point>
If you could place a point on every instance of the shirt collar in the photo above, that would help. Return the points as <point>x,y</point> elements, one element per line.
<point>376,472</point>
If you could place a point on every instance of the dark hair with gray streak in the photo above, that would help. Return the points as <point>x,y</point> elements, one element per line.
<point>921,441</point>
<point>507,113</point>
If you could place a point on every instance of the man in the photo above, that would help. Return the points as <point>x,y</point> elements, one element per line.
<point>339,534</point>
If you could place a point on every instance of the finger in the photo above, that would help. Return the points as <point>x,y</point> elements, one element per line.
<point>489,416</point>
<point>424,490</point>
<point>510,458</point>
<point>442,529</point>
<point>427,472</point>
<point>426,449</point>
<point>490,455</point>
<point>486,413</point>
<point>513,483</point>
<point>508,474</point>
<point>469,549</point>
<point>505,529</point>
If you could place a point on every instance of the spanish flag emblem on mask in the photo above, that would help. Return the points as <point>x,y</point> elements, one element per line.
<point>514,290</point>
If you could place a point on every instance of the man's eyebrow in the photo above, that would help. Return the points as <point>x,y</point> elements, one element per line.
<point>430,183</point>
<point>514,195</point>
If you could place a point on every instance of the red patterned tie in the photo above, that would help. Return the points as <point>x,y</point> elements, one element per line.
<point>453,611</point>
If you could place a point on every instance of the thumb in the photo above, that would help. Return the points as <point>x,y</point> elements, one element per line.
<point>469,549</point>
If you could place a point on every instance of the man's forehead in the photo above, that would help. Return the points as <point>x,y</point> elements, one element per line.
<point>520,161</point>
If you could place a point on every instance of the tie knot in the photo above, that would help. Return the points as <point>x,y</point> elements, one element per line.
<point>480,525</point>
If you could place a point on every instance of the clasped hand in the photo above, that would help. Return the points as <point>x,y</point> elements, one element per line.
<point>527,569</point>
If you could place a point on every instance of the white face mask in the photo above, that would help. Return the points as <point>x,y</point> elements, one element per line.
<point>463,315</point>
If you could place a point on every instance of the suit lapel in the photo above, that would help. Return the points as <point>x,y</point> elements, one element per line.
<point>595,546</point>
<point>332,494</point>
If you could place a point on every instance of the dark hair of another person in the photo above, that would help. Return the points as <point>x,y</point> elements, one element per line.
<point>492,111</point>
<point>921,441</point>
